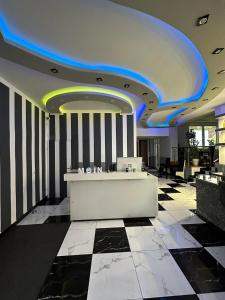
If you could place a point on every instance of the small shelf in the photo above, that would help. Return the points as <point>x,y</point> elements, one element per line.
<point>219,129</point>
<point>220,144</point>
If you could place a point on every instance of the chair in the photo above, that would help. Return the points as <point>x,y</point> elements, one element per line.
<point>181,173</point>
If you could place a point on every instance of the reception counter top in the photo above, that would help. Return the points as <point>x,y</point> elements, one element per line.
<point>112,195</point>
<point>106,176</point>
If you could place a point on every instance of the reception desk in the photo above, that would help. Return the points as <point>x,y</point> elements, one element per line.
<point>112,195</point>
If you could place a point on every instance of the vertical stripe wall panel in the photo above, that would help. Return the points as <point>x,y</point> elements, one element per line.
<point>22,154</point>
<point>36,147</point>
<point>108,140</point>
<point>86,140</point>
<point>130,136</point>
<point>52,156</point>
<point>57,157</point>
<point>63,156</point>
<point>74,141</point>
<point>5,196</point>
<point>29,154</point>
<point>18,155</point>
<point>97,140</point>
<point>119,135</point>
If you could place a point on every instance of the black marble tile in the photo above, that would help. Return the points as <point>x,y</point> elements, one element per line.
<point>160,207</point>
<point>58,219</point>
<point>109,240</point>
<point>203,272</point>
<point>50,201</point>
<point>206,234</point>
<point>130,222</point>
<point>169,190</point>
<point>185,297</point>
<point>173,185</point>
<point>68,278</point>
<point>164,197</point>
<point>179,180</point>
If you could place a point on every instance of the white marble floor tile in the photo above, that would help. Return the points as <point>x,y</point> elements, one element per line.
<point>32,219</point>
<point>109,223</point>
<point>218,253</point>
<point>185,216</point>
<point>173,205</point>
<point>212,296</point>
<point>144,238</point>
<point>83,225</point>
<point>163,219</point>
<point>113,277</point>
<point>176,237</point>
<point>160,191</point>
<point>159,275</point>
<point>77,242</point>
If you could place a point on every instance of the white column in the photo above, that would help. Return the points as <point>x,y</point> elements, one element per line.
<point>57,157</point>
<point>113,137</point>
<point>33,153</point>
<point>24,154</point>
<point>80,138</point>
<point>40,152</point>
<point>91,132</point>
<point>102,117</point>
<point>124,136</point>
<point>12,154</point>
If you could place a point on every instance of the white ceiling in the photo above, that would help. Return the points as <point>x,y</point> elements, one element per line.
<point>99,32</point>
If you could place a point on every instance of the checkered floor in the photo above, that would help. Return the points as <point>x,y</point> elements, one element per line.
<point>174,256</point>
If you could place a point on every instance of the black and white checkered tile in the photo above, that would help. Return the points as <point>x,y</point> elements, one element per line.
<point>174,256</point>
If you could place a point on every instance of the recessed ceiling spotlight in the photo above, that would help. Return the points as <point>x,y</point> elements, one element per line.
<point>193,108</point>
<point>182,114</point>
<point>126,85</point>
<point>53,70</point>
<point>202,20</point>
<point>221,72</point>
<point>206,99</point>
<point>217,51</point>
<point>99,79</point>
<point>174,107</point>
<point>215,88</point>
<point>150,109</point>
<point>150,102</point>
<point>144,94</point>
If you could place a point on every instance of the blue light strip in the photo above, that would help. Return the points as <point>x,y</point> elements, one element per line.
<point>168,118</point>
<point>14,39</point>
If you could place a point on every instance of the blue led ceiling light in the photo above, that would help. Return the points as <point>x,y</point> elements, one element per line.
<point>58,58</point>
<point>168,118</point>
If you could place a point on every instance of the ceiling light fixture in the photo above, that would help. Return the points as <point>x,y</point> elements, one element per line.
<point>99,79</point>
<point>144,94</point>
<point>174,107</point>
<point>217,51</point>
<point>202,20</point>
<point>221,72</point>
<point>151,102</point>
<point>126,85</point>
<point>193,108</point>
<point>215,88</point>
<point>205,99</point>
<point>53,70</point>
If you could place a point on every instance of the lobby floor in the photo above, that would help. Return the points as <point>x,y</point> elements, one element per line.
<point>175,256</point>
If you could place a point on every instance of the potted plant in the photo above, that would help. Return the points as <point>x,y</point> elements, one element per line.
<point>195,154</point>
<point>211,150</point>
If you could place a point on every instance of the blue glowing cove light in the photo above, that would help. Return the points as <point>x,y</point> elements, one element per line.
<point>28,45</point>
<point>168,118</point>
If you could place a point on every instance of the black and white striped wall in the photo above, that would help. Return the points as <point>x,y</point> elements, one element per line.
<point>87,139</point>
<point>23,180</point>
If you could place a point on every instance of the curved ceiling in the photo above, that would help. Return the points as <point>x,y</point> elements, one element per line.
<point>100,37</point>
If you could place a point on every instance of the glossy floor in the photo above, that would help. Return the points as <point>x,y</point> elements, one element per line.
<point>176,256</point>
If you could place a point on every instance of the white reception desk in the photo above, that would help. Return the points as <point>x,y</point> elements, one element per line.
<point>112,195</point>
